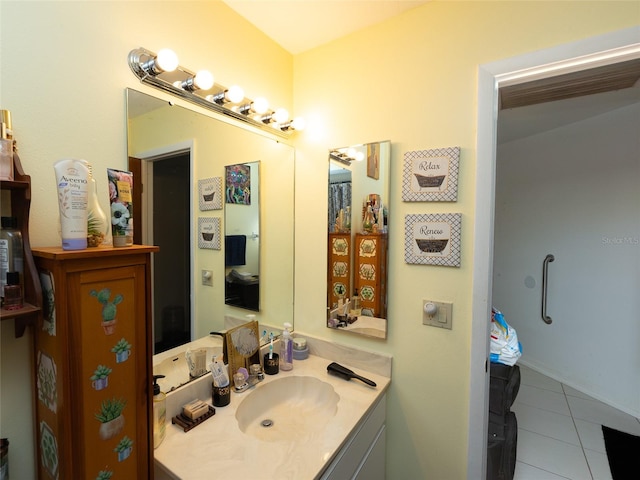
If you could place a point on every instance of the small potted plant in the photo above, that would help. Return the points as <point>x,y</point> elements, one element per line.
<point>100,377</point>
<point>123,449</point>
<point>122,350</point>
<point>111,418</point>
<point>109,308</point>
<point>104,475</point>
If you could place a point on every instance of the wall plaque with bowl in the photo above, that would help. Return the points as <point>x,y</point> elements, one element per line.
<point>431,175</point>
<point>433,239</point>
<point>210,193</point>
<point>209,233</point>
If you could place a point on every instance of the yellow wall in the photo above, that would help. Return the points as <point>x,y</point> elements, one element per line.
<point>411,80</point>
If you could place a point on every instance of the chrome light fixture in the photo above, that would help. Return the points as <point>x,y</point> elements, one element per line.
<point>163,72</point>
<point>203,80</point>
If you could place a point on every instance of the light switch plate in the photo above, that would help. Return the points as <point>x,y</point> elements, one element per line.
<point>443,317</point>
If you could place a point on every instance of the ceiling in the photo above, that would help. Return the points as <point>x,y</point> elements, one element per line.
<point>299,25</point>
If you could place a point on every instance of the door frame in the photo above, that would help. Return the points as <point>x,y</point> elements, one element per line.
<point>156,154</point>
<point>581,55</point>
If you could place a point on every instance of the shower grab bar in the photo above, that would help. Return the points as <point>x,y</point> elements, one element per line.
<point>545,270</point>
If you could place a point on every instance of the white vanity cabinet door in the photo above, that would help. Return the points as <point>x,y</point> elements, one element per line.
<point>373,466</point>
<point>363,456</point>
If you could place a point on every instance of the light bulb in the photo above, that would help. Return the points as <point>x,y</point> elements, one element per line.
<point>281,115</point>
<point>203,80</point>
<point>298,123</point>
<point>260,105</point>
<point>359,156</point>
<point>235,94</point>
<point>351,152</point>
<point>167,60</point>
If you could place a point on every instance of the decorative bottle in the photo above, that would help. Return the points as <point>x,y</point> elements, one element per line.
<point>97,226</point>
<point>368,222</point>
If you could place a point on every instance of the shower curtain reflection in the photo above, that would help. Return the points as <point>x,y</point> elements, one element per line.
<point>339,199</point>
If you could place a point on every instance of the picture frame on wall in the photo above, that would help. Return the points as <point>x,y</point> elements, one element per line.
<point>210,193</point>
<point>431,175</point>
<point>209,233</point>
<point>238,184</point>
<point>433,239</point>
<point>373,160</point>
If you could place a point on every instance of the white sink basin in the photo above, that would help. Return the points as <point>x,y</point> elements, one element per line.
<point>287,409</point>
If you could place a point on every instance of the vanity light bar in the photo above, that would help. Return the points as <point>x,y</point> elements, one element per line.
<point>182,83</point>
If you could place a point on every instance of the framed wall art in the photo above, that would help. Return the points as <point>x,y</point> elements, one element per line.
<point>431,175</point>
<point>433,239</point>
<point>209,233</point>
<point>210,193</point>
<point>238,184</point>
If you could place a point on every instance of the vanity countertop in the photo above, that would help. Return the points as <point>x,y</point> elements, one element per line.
<point>218,447</point>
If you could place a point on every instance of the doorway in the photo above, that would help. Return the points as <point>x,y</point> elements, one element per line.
<point>166,222</point>
<point>605,49</point>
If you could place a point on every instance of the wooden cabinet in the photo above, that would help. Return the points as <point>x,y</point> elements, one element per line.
<point>370,271</point>
<point>19,192</point>
<point>339,267</point>
<point>93,371</point>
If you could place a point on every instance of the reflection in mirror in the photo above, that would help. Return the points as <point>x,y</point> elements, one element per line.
<point>358,238</point>
<point>242,238</point>
<point>209,143</point>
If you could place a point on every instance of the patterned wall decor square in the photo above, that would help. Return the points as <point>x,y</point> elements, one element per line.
<point>210,193</point>
<point>209,233</point>
<point>431,175</point>
<point>433,239</point>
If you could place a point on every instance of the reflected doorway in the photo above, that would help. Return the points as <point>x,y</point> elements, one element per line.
<point>165,222</point>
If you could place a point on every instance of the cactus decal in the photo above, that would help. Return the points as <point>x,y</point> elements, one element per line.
<point>109,308</point>
<point>123,449</point>
<point>122,349</point>
<point>111,418</point>
<point>100,377</point>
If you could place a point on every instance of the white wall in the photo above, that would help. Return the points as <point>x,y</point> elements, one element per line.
<point>573,192</point>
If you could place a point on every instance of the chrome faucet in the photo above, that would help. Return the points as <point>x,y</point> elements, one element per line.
<point>243,382</point>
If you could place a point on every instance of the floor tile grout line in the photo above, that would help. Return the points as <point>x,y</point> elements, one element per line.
<point>584,454</point>
<point>544,470</point>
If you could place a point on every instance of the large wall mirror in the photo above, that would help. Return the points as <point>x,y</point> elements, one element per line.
<point>358,235</point>
<point>176,150</point>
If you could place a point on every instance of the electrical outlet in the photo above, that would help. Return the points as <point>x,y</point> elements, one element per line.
<point>207,278</point>
<point>437,314</point>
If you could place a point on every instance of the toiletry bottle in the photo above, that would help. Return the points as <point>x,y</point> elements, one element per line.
<point>356,309</point>
<point>159,412</point>
<point>286,349</point>
<point>12,292</point>
<point>11,251</point>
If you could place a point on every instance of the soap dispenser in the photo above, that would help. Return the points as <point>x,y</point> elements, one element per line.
<point>286,348</point>
<point>159,412</point>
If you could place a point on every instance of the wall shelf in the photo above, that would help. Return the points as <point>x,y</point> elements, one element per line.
<point>20,192</point>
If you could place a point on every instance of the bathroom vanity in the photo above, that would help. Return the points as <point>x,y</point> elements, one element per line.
<point>335,430</point>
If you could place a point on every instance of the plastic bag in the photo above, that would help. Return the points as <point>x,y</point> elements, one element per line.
<point>505,347</point>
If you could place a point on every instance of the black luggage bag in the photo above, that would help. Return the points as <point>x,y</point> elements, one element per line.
<point>504,383</point>
<point>501,450</point>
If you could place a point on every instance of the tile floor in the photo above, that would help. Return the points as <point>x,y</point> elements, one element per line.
<point>559,431</point>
